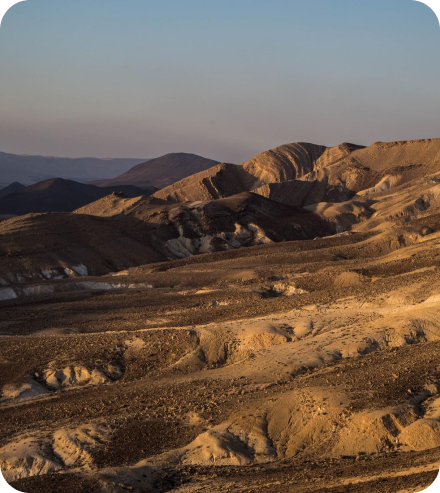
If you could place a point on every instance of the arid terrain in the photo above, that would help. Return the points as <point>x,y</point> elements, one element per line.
<point>265,327</point>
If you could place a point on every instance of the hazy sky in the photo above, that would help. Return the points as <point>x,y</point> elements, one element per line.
<point>225,79</point>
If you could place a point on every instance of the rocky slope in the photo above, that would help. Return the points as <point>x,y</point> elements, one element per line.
<point>302,366</point>
<point>116,233</point>
<point>193,363</point>
<point>337,173</point>
<point>282,164</point>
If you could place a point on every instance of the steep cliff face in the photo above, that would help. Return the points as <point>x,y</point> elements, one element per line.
<point>284,163</point>
<point>219,181</point>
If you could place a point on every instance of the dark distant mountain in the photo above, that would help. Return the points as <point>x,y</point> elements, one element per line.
<point>59,195</point>
<point>33,169</point>
<point>13,187</point>
<point>161,171</point>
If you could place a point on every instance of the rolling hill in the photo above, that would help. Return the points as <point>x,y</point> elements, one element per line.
<point>161,171</point>
<point>12,188</point>
<point>295,192</point>
<point>214,354</point>
<point>59,195</point>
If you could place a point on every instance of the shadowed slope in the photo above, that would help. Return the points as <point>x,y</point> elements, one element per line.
<point>58,195</point>
<point>116,233</point>
<point>12,188</point>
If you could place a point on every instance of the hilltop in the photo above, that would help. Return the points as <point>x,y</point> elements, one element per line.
<point>326,174</point>
<point>161,171</point>
<point>59,195</point>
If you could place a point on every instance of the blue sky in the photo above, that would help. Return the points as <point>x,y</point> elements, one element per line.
<point>224,79</point>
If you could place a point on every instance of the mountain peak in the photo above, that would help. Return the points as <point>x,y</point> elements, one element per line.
<point>161,171</point>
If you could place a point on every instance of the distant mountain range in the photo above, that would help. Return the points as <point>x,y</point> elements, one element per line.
<point>63,195</point>
<point>33,169</point>
<point>161,171</point>
<point>59,195</point>
<point>158,172</point>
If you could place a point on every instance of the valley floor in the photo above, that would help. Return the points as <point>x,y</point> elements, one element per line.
<point>309,366</point>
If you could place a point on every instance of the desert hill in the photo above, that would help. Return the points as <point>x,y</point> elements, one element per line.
<point>116,233</point>
<point>33,169</point>
<point>211,353</point>
<point>404,160</point>
<point>161,171</point>
<point>59,195</point>
<point>284,163</point>
<point>337,172</point>
<point>219,181</point>
<point>12,188</point>
<point>329,200</point>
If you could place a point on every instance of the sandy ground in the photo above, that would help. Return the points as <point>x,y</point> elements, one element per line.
<point>302,366</point>
<point>304,373</point>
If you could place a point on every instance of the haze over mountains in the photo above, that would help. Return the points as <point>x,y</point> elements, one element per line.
<point>245,296</point>
<point>33,169</point>
<point>57,195</point>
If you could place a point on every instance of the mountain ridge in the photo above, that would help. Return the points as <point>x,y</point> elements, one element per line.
<point>342,170</point>
<point>60,195</point>
<point>29,169</point>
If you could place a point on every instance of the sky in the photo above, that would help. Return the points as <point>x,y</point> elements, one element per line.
<point>225,79</point>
